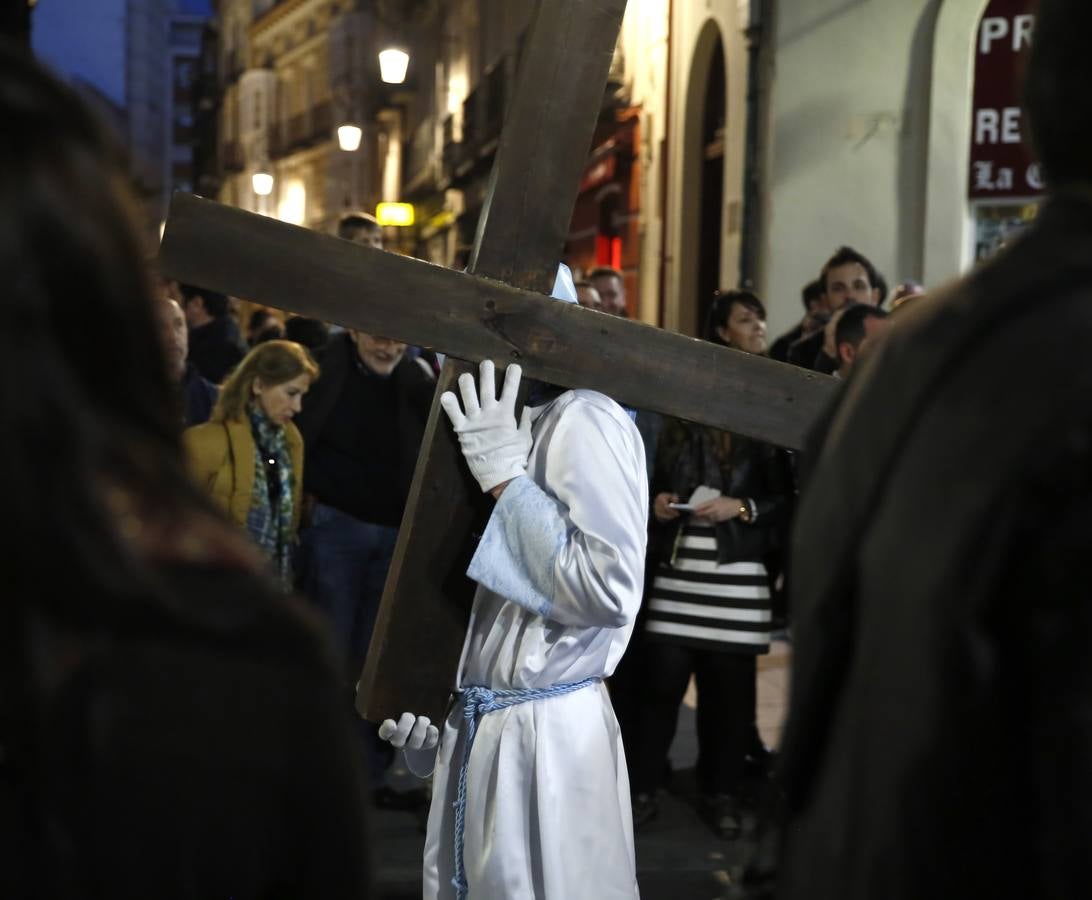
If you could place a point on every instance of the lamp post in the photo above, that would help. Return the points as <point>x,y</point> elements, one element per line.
<point>348,137</point>
<point>262,181</point>
<point>393,63</point>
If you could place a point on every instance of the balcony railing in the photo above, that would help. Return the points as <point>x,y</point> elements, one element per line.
<point>421,153</point>
<point>234,66</point>
<point>450,152</point>
<point>231,157</point>
<point>301,131</point>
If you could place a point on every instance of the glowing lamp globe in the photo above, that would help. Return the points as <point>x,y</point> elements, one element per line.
<point>262,182</point>
<point>348,137</point>
<point>393,64</point>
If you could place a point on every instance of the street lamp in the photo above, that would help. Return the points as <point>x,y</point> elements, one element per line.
<point>393,63</point>
<point>348,137</point>
<point>262,180</point>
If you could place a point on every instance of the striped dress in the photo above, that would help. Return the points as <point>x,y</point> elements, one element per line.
<point>712,606</point>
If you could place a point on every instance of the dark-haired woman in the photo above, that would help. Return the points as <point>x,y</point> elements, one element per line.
<point>708,608</point>
<point>170,725</point>
<point>249,455</point>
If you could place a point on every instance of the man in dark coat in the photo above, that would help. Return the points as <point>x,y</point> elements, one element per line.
<point>939,742</point>
<point>196,394</point>
<point>215,343</point>
<point>813,296</point>
<point>362,424</point>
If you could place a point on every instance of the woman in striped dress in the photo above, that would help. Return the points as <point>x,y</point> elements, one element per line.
<point>708,607</point>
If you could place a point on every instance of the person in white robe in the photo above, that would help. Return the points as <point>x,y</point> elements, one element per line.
<point>545,810</point>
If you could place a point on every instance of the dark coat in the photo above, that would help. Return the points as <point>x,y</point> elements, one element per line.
<point>779,350</point>
<point>807,352</point>
<point>198,397</point>
<point>413,386</point>
<point>939,742</point>
<point>216,348</point>
<point>757,472</point>
<point>202,751</point>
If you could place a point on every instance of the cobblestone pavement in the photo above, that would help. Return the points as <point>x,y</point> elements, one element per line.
<point>678,857</point>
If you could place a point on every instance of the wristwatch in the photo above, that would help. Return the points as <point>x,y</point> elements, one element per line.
<point>744,511</point>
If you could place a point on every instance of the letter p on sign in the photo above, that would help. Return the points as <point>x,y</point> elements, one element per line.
<point>993,29</point>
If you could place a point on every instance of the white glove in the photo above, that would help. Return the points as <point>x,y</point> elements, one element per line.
<point>496,449</point>
<point>410,731</point>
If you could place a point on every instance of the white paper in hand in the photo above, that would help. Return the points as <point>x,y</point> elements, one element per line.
<point>702,494</point>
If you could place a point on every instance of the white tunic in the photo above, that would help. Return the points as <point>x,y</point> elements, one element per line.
<point>560,572</point>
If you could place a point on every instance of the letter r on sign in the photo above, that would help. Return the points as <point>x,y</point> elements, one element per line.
<point>986,126</point>
<point>1021,32</point>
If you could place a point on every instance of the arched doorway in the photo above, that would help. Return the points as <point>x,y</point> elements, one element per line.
<point>702,223</point>
<point>712,183</point>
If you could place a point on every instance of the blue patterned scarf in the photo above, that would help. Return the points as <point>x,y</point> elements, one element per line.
<point>270,518</point>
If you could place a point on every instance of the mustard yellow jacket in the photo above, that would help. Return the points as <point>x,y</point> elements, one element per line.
<point>221,459</point>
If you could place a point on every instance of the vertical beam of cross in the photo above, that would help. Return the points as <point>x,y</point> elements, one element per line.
<point>542,151</point>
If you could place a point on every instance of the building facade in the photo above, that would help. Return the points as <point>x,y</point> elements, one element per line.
<point>776,131</point>
<point>873,137</point>
<point>739,141</point>
<point>136,62</point>
<point>661,197</point>
<point>292,72</point>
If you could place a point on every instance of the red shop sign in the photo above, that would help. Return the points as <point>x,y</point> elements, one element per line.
<point>1001,164</point>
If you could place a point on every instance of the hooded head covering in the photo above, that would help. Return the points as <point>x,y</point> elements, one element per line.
<point>564,289</point>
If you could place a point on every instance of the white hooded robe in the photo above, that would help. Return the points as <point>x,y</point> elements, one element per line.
<point>560,571</point>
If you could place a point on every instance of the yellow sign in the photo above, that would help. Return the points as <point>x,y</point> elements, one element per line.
<point>398,214</point>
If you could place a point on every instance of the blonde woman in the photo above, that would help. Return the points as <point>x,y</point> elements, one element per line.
<point>249,455</point>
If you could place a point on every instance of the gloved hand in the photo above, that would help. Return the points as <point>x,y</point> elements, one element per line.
<point>411,732</point>
<point>496,449</point>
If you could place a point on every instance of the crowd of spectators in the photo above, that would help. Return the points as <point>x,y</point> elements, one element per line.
<point>306,436</point>
<point>325,501</point>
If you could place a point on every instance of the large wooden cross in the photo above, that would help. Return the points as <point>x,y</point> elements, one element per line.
<point>495,311</point>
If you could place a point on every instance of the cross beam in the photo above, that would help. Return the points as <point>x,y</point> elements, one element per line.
<point>499,314</point>
<point>473,318</point>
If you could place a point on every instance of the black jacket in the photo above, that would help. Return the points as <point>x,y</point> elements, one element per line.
<point>198,397</point>
<point>939,742</point>
<point>779,350</point>
<point>757,472</point>
<point>413,387</point>
<point>807,353</point>
<point>216,348</point>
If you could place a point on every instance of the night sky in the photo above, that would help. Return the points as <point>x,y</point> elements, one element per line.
<point>85,39</point>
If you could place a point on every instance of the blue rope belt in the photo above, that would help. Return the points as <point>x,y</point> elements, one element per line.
<point>477,701</point>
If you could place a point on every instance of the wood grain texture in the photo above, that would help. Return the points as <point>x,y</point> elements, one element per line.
<point>414,654</point>
<point>473,318</point>
<point>519,239</point>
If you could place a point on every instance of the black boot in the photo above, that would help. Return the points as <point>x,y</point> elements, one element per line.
<point>721,812</point>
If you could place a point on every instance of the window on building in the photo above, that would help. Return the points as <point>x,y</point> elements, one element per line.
<point>184,73</point>
<point>285,91</point>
